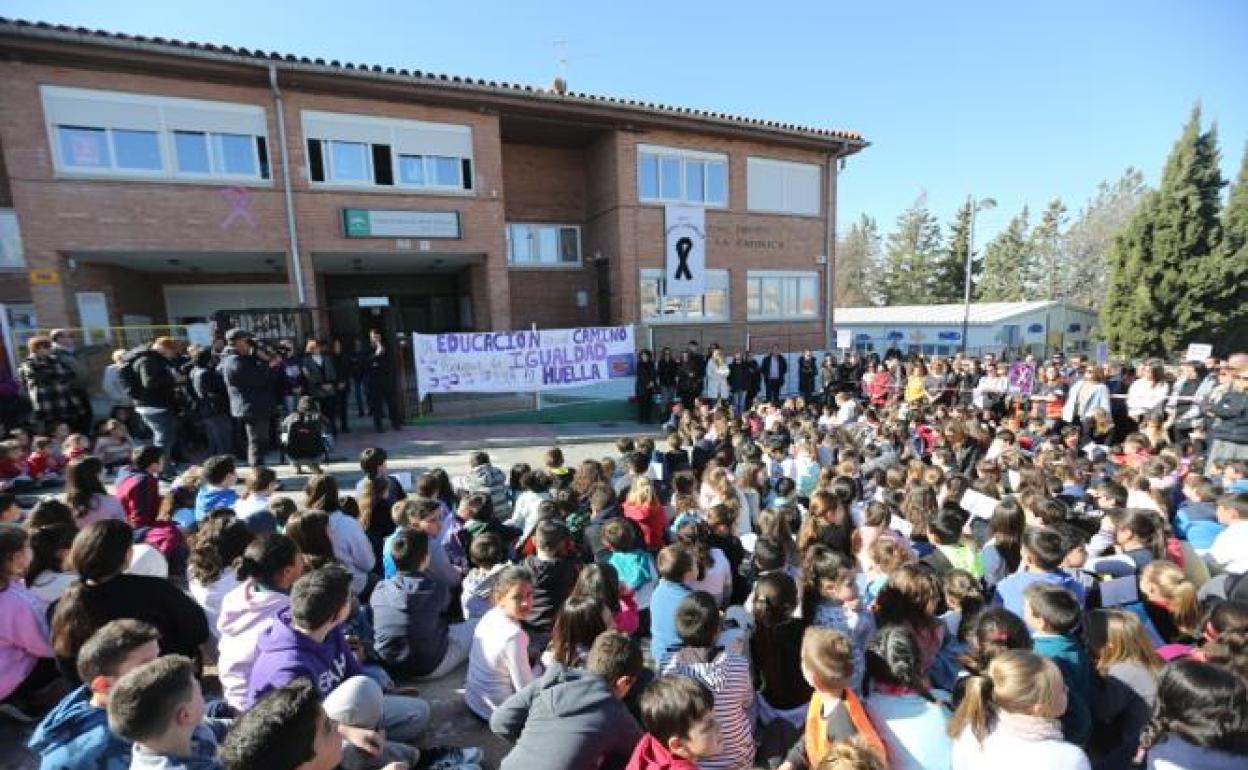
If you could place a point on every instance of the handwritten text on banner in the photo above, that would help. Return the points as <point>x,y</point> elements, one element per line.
<point>525,360</point>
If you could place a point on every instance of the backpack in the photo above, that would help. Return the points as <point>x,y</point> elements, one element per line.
<point>128,374</point>
<point>304,438</point>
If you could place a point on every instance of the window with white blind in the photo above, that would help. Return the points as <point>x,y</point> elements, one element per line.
<point>363,151</point>
<point>542,245</point>
<point>773,295</point>
<point>676,175</point>
<point>118,134</point>
<point>782,187</point>
<point>711,307</point>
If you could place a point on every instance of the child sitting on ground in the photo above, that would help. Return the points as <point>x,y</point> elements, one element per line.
<point>14,471</point>
<point>676,570</point>
<point>411,633</point>
<point>498,663</point>
<point>635,567</point>
<point>46,463</point>
<point>217,489</point>
<point>598,732</point>
<point>835,712</point>
<point>488,560</point>
<point>138,486</point>
<point>681,731</point>
<point>307,641</point>
<point>554,574</point>
<point>113,444</point>
<point>74,446</point>
<point>945,532</point>
<point>158,707</point>
<point>1052,614</point>
<point>724,672</point>
<point>75,734</point>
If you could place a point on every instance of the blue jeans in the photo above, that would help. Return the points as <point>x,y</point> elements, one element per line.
<point>738,402</point>
<point>164,427</point>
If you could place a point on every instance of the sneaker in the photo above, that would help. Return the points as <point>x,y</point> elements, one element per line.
<point>450,758</point>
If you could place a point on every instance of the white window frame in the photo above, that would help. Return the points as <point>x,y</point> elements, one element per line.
<point>164,137</point>
<point>683,316</point>
<point>429,163</point>
<point>390,127</point>
<point>216,158</point>
<point>538,265</point>
<point>110,141</point>
<point>789,281</point>
<point>782,165</point>
<point>683,157</point>
<point>327,160</point>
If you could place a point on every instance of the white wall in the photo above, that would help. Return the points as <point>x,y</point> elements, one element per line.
<point>201,301</point>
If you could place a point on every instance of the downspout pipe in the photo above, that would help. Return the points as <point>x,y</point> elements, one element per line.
<point>296,267</point>
<point>829,285</point>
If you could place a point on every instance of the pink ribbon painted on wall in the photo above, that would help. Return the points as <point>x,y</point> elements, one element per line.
<point>239,199</point>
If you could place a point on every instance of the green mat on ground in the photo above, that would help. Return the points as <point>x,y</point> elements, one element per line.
<point>596,411</point>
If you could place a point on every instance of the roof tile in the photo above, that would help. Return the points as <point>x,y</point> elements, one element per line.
<point>417,74</point>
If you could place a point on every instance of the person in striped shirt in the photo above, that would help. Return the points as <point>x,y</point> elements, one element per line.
<point>726,674</point>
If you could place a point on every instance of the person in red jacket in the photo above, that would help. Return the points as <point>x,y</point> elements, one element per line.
<point>138,486</point>
<point>678,714</point>
<point>642,507</point>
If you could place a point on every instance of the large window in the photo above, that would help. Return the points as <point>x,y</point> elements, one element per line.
<point>782,187</point>
<point>538,245</point>
<point>672,175</point>
<point>711,307</point>
<point>217,154</point>
<point>777,295</point>
<point>363,151</point>
<point>111,133</point>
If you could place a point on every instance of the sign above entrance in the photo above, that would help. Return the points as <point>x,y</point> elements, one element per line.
<point>390,223</point>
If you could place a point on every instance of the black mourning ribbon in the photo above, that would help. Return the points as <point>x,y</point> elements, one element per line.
<point>683,247</point>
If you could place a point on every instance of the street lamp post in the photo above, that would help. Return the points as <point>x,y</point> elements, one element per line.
<point>976,207</point>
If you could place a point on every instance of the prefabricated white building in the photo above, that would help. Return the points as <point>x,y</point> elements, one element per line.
<point>994,327</point>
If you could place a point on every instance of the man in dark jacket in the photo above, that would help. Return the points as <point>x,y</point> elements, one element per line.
<point>212,403</point>
<point>249,381</point>
<point>775,369</point>
<point>155,398</point>
<point>572,718</point>
<point>1230,412</point>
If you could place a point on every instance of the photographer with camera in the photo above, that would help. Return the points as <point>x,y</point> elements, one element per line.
<point>248,371</point>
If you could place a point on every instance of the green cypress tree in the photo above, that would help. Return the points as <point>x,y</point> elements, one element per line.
<point>909,256</point>
<point>857,264</point>
<point>1049,257</point>
<point>1220,278</point>
<point>1008,263</point>
<point>1167,293</point>
<point>949,279</point>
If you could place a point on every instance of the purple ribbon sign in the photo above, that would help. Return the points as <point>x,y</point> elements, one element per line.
<point>239,199</point>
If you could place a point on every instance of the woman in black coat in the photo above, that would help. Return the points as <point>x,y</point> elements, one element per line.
<point>669,372</point>
<point>647,384</point>
<point>807,373</point>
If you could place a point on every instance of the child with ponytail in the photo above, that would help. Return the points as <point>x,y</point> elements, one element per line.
<point>776,651</point>
<point>1010,716</point>
<point>26,663</point>
<point>1171,603</point>
<point>910,717</point>
<point>1200,721</point>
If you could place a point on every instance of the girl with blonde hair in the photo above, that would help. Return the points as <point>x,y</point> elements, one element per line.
<point>1172,606</point>
<point>1126,668</point>
<point>1011,717</point>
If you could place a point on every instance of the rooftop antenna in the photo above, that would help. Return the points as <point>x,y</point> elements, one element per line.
<point>561,80</point>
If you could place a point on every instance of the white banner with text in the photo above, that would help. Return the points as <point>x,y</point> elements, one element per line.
<point>522,361</point>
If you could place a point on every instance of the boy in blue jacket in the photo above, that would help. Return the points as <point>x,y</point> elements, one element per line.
<point>411,631</point>
<point>676,571</point>
<point>159,706</point>
<point>1196,521</point>
<point>1052,614</point>
<point>217,490</point>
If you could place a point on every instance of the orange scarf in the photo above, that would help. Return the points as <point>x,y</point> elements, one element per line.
<point>817,743</point>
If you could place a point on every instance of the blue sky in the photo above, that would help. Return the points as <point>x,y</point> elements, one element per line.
<point>1020,101</point>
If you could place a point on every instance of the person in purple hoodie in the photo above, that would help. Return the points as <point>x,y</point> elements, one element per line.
<point>307,641</point>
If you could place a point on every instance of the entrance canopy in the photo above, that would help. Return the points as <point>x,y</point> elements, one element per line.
<point>162,261</point>
<point>340,263</point>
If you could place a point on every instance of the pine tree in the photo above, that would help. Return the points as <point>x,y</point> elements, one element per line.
<point>1049,260</point>
<point>949,280</point>
<point>1170,291</point>
<point>1091,235</point>
<point>857,264</point>
<point>909,257</point>
<point>1008,263</point>
<point>1221,277</point>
